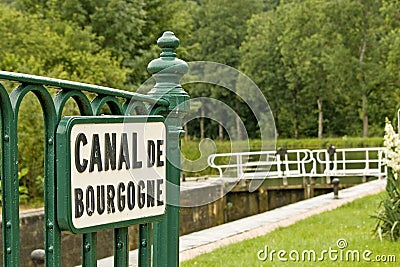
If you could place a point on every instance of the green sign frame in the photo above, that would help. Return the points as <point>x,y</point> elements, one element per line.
<point>65,211</point>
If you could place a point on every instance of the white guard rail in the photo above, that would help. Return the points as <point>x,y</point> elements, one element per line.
<point>263,164</point>
<point>301,163</point>
<point>352,162</point>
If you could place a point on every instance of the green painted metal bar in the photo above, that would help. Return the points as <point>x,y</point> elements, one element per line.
<point>9,181</point>
<point>89,240</point>
<point>145,244</point>
<point>167,71</point>
<point>134,108</point>
<point>121,247</point>
<point>80,98</point>
<point>166,247</point>
<point>99,102</point>
<point>39,80</point>
<point>161,242</point>
<point>156,244</point>
<point>171,225</point>
<point>89,255</point>
<point>158,110</point>
<point>52,231</point>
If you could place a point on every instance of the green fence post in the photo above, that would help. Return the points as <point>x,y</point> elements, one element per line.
<point>167,72</point>
<point>9,183</point>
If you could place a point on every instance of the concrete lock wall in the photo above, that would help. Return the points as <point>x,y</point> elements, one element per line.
<point>235,204</point>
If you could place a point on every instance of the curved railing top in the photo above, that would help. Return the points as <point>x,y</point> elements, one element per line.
<point>64,84</point>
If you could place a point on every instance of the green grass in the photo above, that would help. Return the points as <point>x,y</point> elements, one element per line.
<point>351,222</point>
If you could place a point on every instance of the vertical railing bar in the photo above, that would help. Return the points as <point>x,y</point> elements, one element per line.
<point>10,195</point>
<point>156,239</point>
<point>168,87</point>
<point>121,247</point>
<point>121,235</point>
<point>89,240</point>
<point>160,244</point>
<point>89,247</point>
<point>166,248</point>
<point>239,166</point>
<point>287,165</point>
<point>173,214</point>
<point>145,244</point>
<point>278,166</point>
<point>52,231</point>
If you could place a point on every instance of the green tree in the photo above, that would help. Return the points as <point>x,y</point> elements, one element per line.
<point>357,65</point>
<point>220,28</point>
<point>328,54</point>
<point>262,61</point>
<point>30,45</point>
<point>391,49</point>
<point>119,25</point>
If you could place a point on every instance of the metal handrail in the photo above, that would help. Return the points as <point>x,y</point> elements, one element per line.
<point>102,90</point>
<point>339,164</point>
<point>272,165</point>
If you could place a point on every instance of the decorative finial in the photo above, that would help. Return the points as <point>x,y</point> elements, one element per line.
<point>168,43</point>
<point>167,70</point>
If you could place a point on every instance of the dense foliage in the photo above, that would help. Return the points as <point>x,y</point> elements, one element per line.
<point>327,68</point>
<point>324,65</point>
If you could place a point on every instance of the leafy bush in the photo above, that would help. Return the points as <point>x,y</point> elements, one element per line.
<point>41,45</point>
<point>388,215</point>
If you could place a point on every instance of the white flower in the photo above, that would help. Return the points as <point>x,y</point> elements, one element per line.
<point>392,148</point>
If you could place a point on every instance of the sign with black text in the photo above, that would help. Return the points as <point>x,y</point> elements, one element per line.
<point>111,171</point>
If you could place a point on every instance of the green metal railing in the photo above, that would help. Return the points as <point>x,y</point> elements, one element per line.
<point>158,241</point>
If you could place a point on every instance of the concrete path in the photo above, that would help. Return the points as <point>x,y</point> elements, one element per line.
<point>204,241</point>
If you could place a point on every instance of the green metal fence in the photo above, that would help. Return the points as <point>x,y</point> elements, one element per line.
<point>158,241</point>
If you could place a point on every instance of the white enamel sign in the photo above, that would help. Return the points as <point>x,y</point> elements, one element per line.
<point>118,172</point>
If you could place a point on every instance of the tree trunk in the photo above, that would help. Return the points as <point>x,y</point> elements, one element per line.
<point>295,116</point>
<point>202,124</point>
<point>364,96</point>
<point>362,51</point>
<point>276,119</point>
<point>239,129</point>
<point>365,115</point>
<point>320,119</point>
<point>220,132</point>
<point>185,128</point>
<point>398,121</point>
